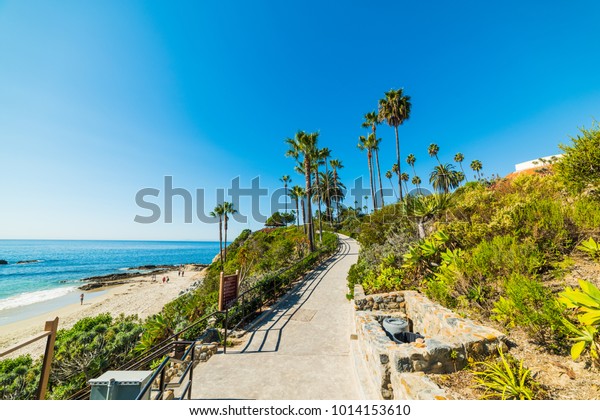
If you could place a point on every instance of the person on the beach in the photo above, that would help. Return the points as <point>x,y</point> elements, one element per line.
<point>164,279</point>
<point>167,279</point>
<point>81,298</point>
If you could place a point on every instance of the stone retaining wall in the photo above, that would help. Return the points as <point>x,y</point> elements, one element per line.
<point>400,368</point>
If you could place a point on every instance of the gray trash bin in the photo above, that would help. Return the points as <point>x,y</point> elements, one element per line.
<point>395,326</point>
<point>120,385</point>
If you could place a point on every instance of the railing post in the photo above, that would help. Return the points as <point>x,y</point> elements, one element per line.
<point>191,371</point>
<point>52,327</point>
<point>226,326</point>
<point>162,384</point>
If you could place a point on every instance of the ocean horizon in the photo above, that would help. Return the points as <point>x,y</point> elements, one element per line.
<point>53,268</point>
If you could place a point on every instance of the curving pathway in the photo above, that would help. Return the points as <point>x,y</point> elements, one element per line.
<point>299,350</point>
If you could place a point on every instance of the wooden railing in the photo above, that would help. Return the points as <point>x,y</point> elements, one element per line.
<point>50,333</point>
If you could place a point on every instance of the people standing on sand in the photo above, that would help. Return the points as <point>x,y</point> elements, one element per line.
<point>164,279</point>
<point>81,298</point>
<point>167,279</point>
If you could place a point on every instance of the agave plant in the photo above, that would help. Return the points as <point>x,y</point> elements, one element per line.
<point>506,380</point>
<point>586,305</point>
<point>590,247</point>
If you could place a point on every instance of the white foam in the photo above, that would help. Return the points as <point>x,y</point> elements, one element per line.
<point>34,297</point>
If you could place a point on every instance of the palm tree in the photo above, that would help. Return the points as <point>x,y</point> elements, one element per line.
<point>477,166</point>
<point>285,179</point>
<point>329,188</point>
<point>335,165</point>
<point>320,157</point>
<point>325,154</point>
<point>218,212</point>
<point>417,182</point>
<point>458,158</point>
<point>302,148</point>
<point>424,208</point>
<point>395,109</point>
<point>404,177</point>
<point>371,121</point>
<point>433,150</point>
<point>389,175</point>
<point>227,209</point>
<point>444,178</point>
<point>296,193</point>
<point>367,143</point>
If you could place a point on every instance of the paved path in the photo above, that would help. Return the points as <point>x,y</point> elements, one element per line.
<point>299,350</point>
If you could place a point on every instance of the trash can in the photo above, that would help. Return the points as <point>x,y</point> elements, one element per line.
<point>120,385</point>
<point>395,326</point>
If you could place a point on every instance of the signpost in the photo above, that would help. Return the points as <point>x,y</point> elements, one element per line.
<point>228,290</point>
<point>228,293</point>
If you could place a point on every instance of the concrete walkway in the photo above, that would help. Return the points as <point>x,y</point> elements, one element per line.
<point>298,350</point>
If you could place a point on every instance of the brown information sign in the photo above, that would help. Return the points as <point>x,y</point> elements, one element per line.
<point>228,291</point>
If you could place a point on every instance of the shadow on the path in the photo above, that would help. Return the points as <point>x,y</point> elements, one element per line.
<point>269,329</point>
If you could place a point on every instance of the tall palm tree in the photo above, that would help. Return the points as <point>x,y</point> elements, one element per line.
<point>320,156</point>
<point>296,193</point>
<point>389,175</point>
<point>367,143</point>
<point>285,179</point>
<point>416,181</point>
<point>329,188</point>
<point>395,109</point>
<point>302,148</point>
<point>335,165</point>
<point>411,159</point>
<point>404,177</point>
<point>371,121</point>
<point>477,166</point>
<point>444,178</point>
<point>227,210</point>
<point>325,154</point>
<point>433,151</point>
<point>218,213</point>
<point>458,158</point>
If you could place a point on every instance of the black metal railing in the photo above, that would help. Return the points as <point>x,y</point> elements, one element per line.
<point>245,307</point>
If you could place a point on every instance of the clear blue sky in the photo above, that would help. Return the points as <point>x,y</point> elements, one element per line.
<point>101,99</point>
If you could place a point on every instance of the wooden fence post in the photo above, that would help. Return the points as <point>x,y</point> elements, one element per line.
<point>52,327</point>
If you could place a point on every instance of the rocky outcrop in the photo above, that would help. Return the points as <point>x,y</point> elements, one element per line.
<point>28,261</point>
<point>3,262</point>
<point>97,282</point>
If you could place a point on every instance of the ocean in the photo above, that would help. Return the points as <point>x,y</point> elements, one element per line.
<point>58,265</point>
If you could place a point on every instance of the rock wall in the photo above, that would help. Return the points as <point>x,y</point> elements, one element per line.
<point>400,369</point>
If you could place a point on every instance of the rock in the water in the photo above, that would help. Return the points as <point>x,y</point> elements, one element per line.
<point>28,261</point>
<point>3,262</point>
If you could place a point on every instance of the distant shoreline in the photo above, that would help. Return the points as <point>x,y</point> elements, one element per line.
<point>138,295</point>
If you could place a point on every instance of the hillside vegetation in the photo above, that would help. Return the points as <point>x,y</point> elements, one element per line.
<point>96,344</point>
<point>510,252</point>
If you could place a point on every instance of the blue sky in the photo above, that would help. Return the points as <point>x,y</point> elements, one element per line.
<point>99,100</point>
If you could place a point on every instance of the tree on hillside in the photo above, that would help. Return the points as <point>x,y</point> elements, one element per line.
<point>227,210</point>
<point>367,143</point>
<point>285,179</point>
<point>444,178</point>
<point>335,165</point>
<point>297,194</point>
<point>579,167</point>
<point>433,151</point>
<point>395,109</point>
<point>218,213</point>
<point>477,166</point>
<point>459,158</point>
<point>302,148</point>
<point>278,219</point>
<point>371,121</point>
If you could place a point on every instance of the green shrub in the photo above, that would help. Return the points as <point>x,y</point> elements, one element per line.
<point>19,378</point>
<point>528,304</point>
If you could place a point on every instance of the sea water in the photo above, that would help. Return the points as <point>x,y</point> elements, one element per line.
<point>59,265</point>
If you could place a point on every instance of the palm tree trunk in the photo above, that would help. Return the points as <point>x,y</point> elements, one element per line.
<point>286,197</point>
<point>319,203</point>
<point>303,216</point>
<point>398,161</point>
<point>370,157</point>
<point>379,175</point>
<point>308,206</point>
<point>328,199</point>
<point>297,213</point>
<point>225,247</point>
<point>221,240</point>
<point>337,199</point>
<point>393,189</point>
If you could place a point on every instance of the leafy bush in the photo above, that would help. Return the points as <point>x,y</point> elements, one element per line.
<point>528,304</point>
<point>19,378</point>
<point>590,247</point>
<point>579,167</point>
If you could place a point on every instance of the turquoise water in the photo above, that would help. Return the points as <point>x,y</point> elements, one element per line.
<point>60,265</point>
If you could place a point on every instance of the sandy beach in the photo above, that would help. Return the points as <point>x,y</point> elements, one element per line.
<point>139,296</point>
